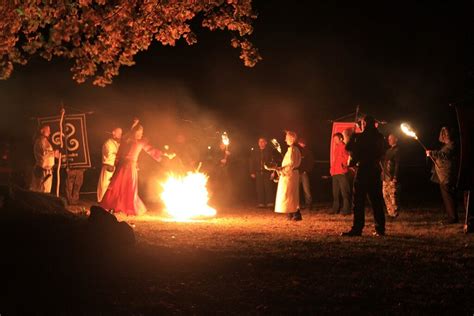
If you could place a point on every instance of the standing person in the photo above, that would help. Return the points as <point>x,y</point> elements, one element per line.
<point>122,194</point>
<point>109,159</point>
<point>264,155</point>
<point>445,173</point>
<point>339,174</point>
<point>390,172</point>
<point>288,195</point>
<point>367,150</point>
<point>221,183</point>
<point>42,177</point>
<point>307,164</point>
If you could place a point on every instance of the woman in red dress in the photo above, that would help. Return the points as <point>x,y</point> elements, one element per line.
<point>122,193</point>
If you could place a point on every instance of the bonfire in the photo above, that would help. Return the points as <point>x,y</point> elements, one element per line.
<point>186,196</point>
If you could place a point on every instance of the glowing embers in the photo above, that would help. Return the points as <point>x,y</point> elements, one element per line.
<point>186,197</point>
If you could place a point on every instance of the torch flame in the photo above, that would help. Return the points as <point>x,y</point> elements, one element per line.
<point>225,139</point>
<point>276,145</point>
<point>408,130</point>
<point>186,197</point>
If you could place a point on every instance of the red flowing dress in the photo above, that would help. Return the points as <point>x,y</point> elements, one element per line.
<point>122,193</point>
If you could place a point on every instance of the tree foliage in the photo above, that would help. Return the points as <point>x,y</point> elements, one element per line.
<point>100,36</point>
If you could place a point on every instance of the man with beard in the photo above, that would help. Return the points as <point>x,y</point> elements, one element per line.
<point>42,177</point>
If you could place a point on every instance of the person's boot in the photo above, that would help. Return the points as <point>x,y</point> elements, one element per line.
<point>297,216</point>
<point>378,233</point>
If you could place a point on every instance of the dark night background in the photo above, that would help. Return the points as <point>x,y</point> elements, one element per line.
<point>404,60</point>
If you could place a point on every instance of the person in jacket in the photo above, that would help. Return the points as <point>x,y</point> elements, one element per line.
<point>445,172</point>
<point>264,155</point>
<point>367,150</point>
<point>338,171</point>
<point>390,176</point>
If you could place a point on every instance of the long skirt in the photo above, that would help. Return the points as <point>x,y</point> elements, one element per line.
<point>122,194</point>
<point>288,193</point>
<point>104,182</point>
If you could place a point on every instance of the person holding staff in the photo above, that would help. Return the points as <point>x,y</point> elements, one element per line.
<point>42,177</point>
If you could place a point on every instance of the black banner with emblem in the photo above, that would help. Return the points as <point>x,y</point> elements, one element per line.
<point>75,144</point>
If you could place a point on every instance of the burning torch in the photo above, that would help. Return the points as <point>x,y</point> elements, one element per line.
<point>226,142</point>
<point>411,133</point>
<point>276,145</point>
<point>275,175</point>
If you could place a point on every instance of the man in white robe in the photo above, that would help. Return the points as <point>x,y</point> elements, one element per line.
<point>42,177</point>
<point>109,156</point>
<point>288,196</point>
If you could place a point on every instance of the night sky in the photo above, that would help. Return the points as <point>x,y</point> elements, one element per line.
<point>398,60</point>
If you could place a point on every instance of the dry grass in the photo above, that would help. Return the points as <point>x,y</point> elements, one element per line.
<point>249,261</point>
<point>252,261</point>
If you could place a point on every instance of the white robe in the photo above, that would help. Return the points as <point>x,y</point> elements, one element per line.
<point>109,155</point>
<point>42,178</point>
<point>288,196</point>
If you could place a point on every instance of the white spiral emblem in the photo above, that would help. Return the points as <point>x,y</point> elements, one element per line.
<point>69,131</point>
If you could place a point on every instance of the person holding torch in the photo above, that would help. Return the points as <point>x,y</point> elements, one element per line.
<point>288,195</point>
<point>444,172</point>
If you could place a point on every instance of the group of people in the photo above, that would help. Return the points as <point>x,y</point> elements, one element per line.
<point>364,167</point>
<point>343,172</point>
<point>263,162</point>
<point>117,188</point>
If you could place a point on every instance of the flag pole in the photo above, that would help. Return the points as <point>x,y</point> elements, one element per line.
<point>58,171</point>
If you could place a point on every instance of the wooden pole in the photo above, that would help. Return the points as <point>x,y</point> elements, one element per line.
<point>58,171</point>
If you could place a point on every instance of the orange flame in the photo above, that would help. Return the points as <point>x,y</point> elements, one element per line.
<point>408,130</point>
<point>186,197</point>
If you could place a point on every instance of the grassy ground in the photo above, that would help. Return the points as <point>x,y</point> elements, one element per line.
<point>254,261</point>
<point>249,261</point>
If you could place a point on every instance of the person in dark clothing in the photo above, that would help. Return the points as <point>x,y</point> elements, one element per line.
<point>390,172</point>
<point>445,173</point>
<point>74,181</point>
<point>264,155</point>
<point>367,149</point>
<point>307,164</point>
<point>220,182</point>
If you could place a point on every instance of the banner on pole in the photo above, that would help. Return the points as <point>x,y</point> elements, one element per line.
<point>76,145</point>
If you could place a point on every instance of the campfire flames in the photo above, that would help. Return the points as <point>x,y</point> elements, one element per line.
<point>186,197</point>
